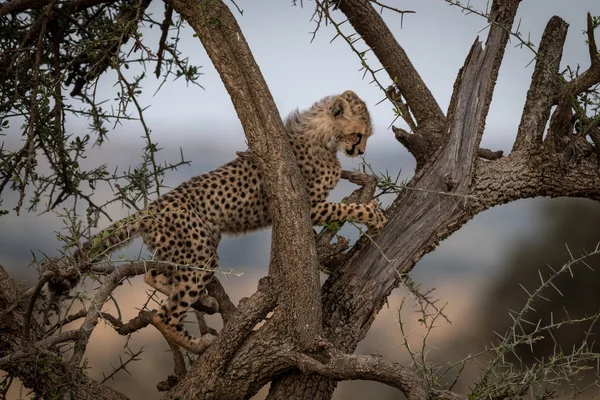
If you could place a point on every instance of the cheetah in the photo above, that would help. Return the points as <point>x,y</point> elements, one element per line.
<point>184,226</point>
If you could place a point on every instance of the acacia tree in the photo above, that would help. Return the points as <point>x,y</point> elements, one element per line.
<point>306,345</point>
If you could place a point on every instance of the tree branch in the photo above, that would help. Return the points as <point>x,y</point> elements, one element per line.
<point>489,154</point>
<point>94,312</point>
<point>377,265</point>
<point>241,351</point>
<point>251,311</point>
<point>226,308</point>
<point>370,26</point>
<point>592,47</point>
<point>586,80</point>
<point>36,348</point>
<point>340,366</point>
<point>17,6</point>
<point>545,85</point>
<point>526,180</point>
<point>416,144</point>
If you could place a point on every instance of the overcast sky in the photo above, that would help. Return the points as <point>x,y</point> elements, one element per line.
<point>298,72</point>
<point>437,39</point>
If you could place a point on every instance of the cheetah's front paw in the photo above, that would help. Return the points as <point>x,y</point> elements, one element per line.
<point>379,219</point>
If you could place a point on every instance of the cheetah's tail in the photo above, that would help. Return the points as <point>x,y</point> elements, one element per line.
<point>99,246</point>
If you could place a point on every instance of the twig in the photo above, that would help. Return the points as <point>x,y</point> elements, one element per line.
<point>32,122</point>
<point>133,356</point>
<point>491,21</point>
<point>592,47</point>
<point>40,346</point>
<point>94,312</point>
<point>385,6</point>
<point>36,291</point>
<point>164,27</point>
<point>323,8</point>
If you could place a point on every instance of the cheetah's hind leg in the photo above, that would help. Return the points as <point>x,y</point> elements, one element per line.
<point>163,282</point>
<point>182,242</point>
<point>189,286</point>
<point>160,281</point>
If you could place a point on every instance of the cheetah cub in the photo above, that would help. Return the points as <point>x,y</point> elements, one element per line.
<point>184,226</point>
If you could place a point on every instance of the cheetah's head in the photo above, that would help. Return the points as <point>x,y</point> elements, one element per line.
<point>351,123</point>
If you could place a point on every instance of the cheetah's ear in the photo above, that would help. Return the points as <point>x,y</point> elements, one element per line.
<point>350,95</point>
<point>338,107</point>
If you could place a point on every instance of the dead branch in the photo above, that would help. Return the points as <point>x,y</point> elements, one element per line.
<point>545,85</point>
<point>416,144</point>
<point>561,137</point>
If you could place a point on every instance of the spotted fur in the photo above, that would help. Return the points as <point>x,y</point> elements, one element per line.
<point>184,226</point>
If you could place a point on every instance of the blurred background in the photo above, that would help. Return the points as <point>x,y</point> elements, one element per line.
<point>478,270</point>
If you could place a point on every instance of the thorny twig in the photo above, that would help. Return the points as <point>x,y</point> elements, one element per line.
<point>322,11</point>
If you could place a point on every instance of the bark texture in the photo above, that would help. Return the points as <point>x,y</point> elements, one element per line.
<point>424,219</point>
<point>305,347</point>
<point>293,258</point>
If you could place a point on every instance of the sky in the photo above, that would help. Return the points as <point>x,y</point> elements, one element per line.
<point>203,122</point>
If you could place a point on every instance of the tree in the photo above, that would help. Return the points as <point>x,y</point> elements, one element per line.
<point>306,346</point>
